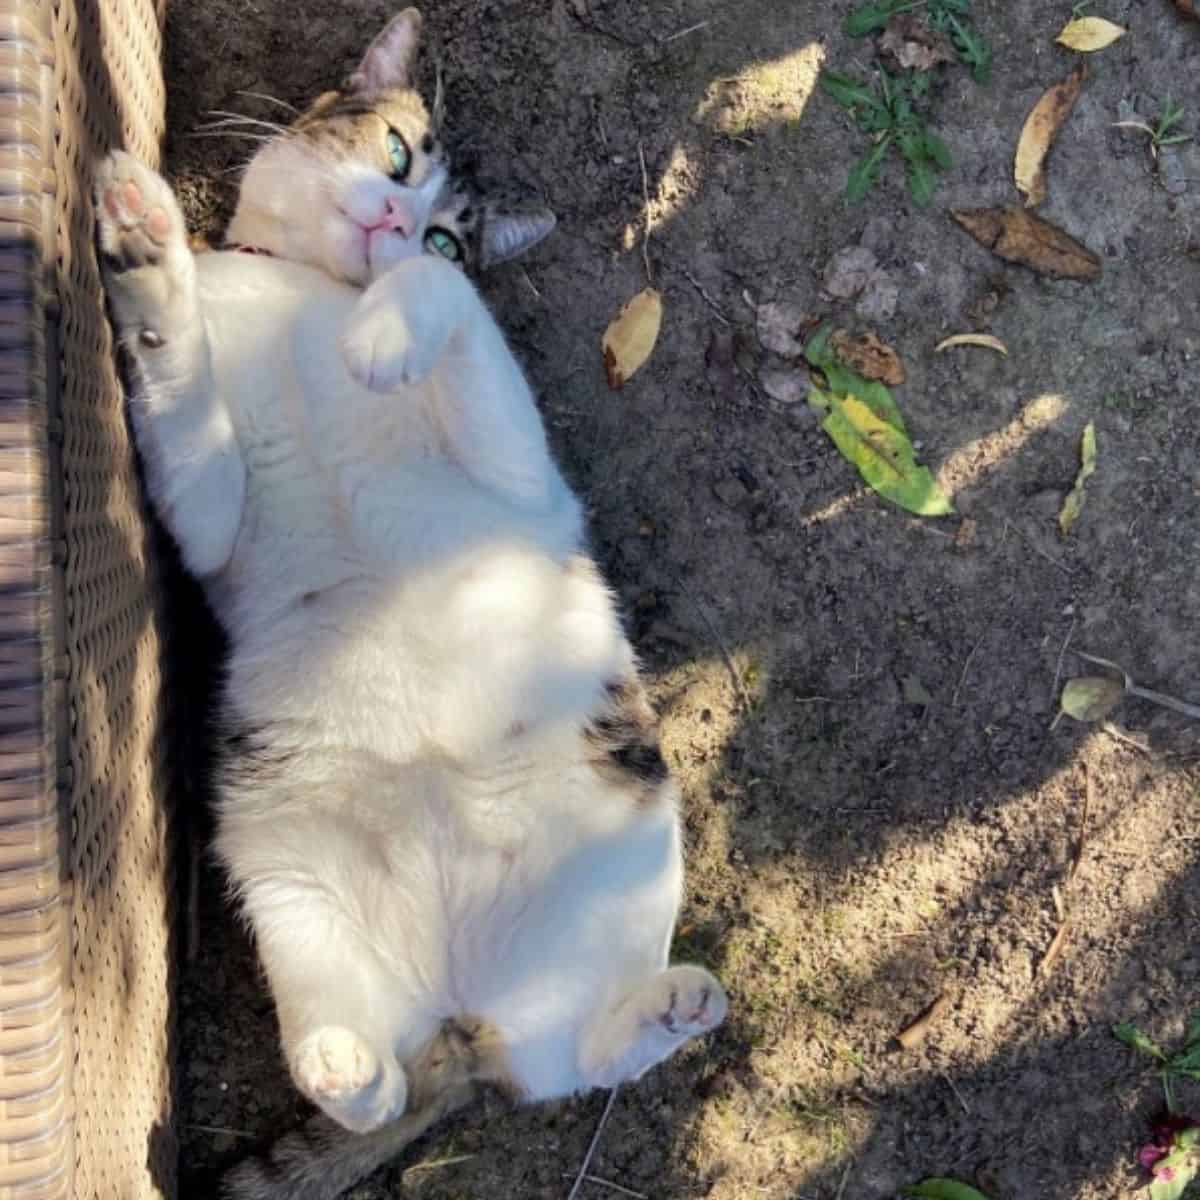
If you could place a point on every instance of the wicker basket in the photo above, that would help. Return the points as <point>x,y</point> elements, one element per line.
<point>85,870</point>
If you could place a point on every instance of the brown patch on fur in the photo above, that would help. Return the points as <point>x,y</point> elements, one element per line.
<point>465,1050</point>
<point>623,739</point>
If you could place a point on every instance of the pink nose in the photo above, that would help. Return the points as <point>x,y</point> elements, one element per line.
<point>398,217</point>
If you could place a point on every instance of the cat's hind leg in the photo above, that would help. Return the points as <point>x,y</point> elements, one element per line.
<point>649,1024</point>
<point>194,470</point>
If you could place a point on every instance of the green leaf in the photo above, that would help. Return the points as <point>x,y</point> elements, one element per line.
<point>922,182</point>
<point>943,1189</point>
<point>848,92</point>
<point>937,150</point>
<point>1187,1062</point>
<point>972,49</point>
<point>882,453</point>
<point>1073,504</point>
<point>1133,1037</point>
<point>870,17</point>
<point>1192,1037</point>
<point>816,349</point>
<point>864,173</point>
<point>1092,698</point>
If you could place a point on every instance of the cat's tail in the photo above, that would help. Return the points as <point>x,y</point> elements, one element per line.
<point>320,1160</point>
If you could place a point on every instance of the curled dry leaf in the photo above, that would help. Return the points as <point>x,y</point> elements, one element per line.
<point>1088,34</point>
<point>631,335</point>
<point>1043,122</point>
<point>869,356</point>
<point>972,339</point>
<point>1091,698</point>
<point>1073,504</point>
<point>909,44</point>
<point>1018,236</point>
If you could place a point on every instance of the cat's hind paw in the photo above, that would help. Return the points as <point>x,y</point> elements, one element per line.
<point>341,1074</point>
<point>137,213</point>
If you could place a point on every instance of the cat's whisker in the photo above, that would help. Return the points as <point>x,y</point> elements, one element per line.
<point>272,99</point>
<point>237,135</point>
<point>243,119</point>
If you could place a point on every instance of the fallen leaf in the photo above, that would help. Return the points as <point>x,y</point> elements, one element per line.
<point>780,327</point>
<point>1020,237</point>
<point>1091,697</point>
<point>1073,505</point>
<point>881,452</point>
<point>914,1033</point>
<point>631,335</point>
<point>1043,122</point>
<point>1089,33</point>
<point>869,356</point>
<point>943,1189</point>
<point>908,43</point>
<point>1188,8</point>
<point>788,387</point>
<point>966,533</point>
<point>972,339</point>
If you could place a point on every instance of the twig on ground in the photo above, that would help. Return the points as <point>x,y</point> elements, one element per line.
<point>1137,742</point>
<point>684,32</point>
<point>966,667</point>
<point>1055,948</point>
<point>726,657</point>
<point>529,283</point>
<point>1058,666</point>
<point>1144,693</point>
<point>705,296</point>
<point>1081,837</point>
<point>645,215</point>
<point>1062,566</point>
<point>612,1187</point>
<point>591,1150</point>
<point>435,1163</point>
<point>845,1176</point>
<point>954,1088</point>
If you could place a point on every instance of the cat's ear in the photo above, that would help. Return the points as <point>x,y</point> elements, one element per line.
<point>389,58</point>
<point>507,234</point>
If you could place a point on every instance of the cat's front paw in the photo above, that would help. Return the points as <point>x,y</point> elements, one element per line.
<point>341,1074</point>
<point>143,248</point>
<point>402,325</point>
<point>137,213</point>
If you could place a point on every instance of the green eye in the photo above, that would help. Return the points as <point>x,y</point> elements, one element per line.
<point>444,243</point>
<point>398,155</point>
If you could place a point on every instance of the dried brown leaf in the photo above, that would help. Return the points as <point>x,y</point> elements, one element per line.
<point>631,335</point>
<point>869,356</point>
<point>1020,237</point>
<point>1041,126</point>
<point>913,1034</point>
<point>986,340</point>
<point>909,44</point>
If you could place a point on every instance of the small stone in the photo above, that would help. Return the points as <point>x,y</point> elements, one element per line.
<point>849,271</point>
<point>880,296</point>
<point>788,387</point>
<point>730,491</point>
<point>779,327</point>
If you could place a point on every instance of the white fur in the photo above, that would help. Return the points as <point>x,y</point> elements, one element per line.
<point>362,482</point>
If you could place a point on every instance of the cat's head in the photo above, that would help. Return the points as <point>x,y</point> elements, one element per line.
<point>361,181</point>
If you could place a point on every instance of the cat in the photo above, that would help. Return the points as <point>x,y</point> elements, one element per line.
<point>441,801</point>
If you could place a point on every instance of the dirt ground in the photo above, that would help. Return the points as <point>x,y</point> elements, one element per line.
<point>857,703</point>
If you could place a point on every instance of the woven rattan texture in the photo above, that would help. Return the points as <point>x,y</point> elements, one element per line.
<point>108,86</point>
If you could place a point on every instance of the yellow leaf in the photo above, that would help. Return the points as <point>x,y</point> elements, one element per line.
<point>1091,698</point>
<point>631,335</point>
<point>1073,505</point>
<point>972,339</point>
<point>1089,33</point>
<point>1040,128</point>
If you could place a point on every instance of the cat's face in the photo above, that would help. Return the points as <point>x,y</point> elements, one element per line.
<point>362,181</point>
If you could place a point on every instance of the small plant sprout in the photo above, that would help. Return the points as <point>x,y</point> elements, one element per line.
<point>1165,130</point>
